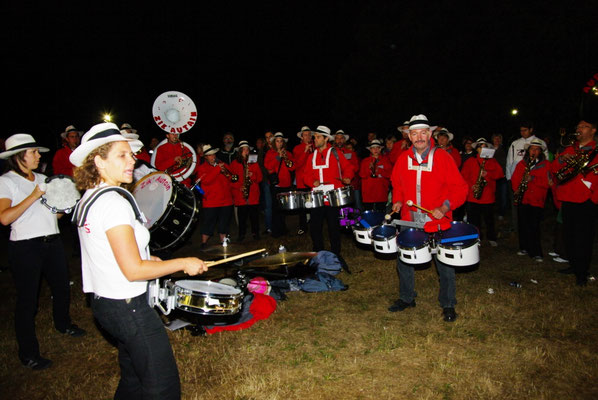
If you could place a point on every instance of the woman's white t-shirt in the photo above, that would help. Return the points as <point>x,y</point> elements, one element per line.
<point>101,273</point>
<point>37,220</point>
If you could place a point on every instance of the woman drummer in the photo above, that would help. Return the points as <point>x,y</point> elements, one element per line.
<point>116,266</point>
<point>34,248</point>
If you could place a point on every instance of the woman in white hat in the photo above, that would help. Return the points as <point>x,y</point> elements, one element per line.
<point>34,248</point>
<point>116,265</point>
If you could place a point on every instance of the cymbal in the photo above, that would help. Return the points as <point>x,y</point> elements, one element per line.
<point>281,259</point>
<point>223,251</point>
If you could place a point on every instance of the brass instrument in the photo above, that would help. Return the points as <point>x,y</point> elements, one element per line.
<point>566,139</point>
<point>577,164</point>
<point>373,168</point>
<point>246,180</point>
<point>224,171</point>
<point>480,183</point>
<point>520,192</point>
<point>286,160</point>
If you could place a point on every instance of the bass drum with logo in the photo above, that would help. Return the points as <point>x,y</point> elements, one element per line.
<point>170,208</point>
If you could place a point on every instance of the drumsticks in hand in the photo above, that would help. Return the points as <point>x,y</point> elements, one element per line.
<point>410,203</point>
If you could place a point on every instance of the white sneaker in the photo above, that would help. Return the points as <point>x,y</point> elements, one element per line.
<point>553,254</point>
<point>538,259</point>
<point>560,260</point>
<point>493,243</point>
<point>522,253</point>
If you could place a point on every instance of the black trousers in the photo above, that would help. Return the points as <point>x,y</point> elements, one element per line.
<point>148,369</point>
<point>279,226</point>
<point>303,212</point>
<point>29,260</point>
<point>476,212</point>
<point>528,226</point>
<point>579,227</point>
<point>330,215</point>
<point>379,206</point>
<point>251,212</point>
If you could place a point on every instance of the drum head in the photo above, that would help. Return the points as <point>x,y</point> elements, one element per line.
<point>373,217</point>
<point>460,234</point>
<point>207,287</point>
<point>384,232</point>
<point>174,112</point>
<point>153,193</point>
<point>412,238</point>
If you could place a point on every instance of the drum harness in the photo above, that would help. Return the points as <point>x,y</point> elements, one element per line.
<point>82,208</point>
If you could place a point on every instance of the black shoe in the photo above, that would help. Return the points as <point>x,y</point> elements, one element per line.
<point>36,363</point>
<point>74,331</point>
<point>449,314</point>
<point>581,281</point>
<point>567,271</point>
<point>344,264</point>
<point>400,305</point>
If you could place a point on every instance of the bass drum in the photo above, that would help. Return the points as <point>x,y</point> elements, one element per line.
<point>170,208</point>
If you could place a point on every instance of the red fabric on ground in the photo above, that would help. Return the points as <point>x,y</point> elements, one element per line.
<point>261,307</point>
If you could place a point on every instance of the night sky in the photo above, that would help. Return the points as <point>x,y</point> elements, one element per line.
<point>256,66</point>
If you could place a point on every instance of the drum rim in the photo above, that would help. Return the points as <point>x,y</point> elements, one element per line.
<point>233,290</point>
<point>56,210</point>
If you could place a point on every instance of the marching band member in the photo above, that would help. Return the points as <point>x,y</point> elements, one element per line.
<point>402,144</point>
<point>531,181</point>
<point>217,204</point>
<point>326,169</point>
<point>429,177</point>
<point>444,140</point>
<point>130,133</point>
<point>280,165</point>
<point>228,152</point>
<point>173,156</point>
<point>481,175</point>
<point>246,191</point>
<point>60,163</point>
<point>375,174</point>
<point>34,249</point>
<point>301,153</point>
<point>116,265</point>
<point>340,142</point>
<point>577,189</point>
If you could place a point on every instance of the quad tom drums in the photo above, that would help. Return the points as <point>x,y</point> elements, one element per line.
<point>384,239</point>
<point>459,245</point>
<point>341,197</point>
<point>415,246</point>
<point>295,200</point>
<point>291,200</point>
<point>170,208</point>
<point>370,220</point>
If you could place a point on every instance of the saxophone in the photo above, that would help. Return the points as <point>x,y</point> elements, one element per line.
<point>518,195</point>
<point>224,171</point>
<point>480,183</point>
<point>575,165</point>
<point>246,181</point>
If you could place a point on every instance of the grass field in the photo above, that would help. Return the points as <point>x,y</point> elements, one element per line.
<point>539,341</point>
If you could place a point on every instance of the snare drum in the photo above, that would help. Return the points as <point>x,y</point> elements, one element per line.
<point>384,239</point>
<point>459,245</point>
<point>361,231</point>
<point>170,208</point>
<point>313,199</point>
<point>61,195</point>
<point>340,197</point>
<point>206,297</point>
<point>290,200</point>
<point>414,246</point>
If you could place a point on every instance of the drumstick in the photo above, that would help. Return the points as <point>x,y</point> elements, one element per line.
<point>225,260</point>
<point>387,216</point>
<point>411,203</point>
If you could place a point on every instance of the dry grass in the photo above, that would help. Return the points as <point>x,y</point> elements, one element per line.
<point>536,342</point>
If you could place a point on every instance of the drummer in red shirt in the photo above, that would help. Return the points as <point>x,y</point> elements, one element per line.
<point>71,138</point>
<point>477,170</point>
<point>423,174</point>
<point>340,142</point>
<point>531,180</point>
<point>577,190</point>
<point>325,170</point>
<point>246,190</point>
<point>301,153</point>
<point>375,174</point>
<point>217,204</point>
<point>280,164</point>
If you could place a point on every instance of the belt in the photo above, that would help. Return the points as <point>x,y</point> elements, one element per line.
<point>46,239</point>
<point>128,301</point>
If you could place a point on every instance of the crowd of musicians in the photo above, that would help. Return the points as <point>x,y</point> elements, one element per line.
<point>421,176</point>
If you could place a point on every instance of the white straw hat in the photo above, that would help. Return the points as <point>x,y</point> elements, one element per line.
<point>20,142</point>
<point>98,135</point>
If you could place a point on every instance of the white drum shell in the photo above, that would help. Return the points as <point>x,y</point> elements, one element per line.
<point>459,256</point>
<point>415,255</point>
<point>363,235</point>
<point>385,245</point>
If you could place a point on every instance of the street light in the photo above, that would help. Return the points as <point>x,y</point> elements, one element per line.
<point>107,117</point>
<point>514,112</point>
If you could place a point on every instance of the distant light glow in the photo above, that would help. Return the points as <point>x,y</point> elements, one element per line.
<point>514,111</point>
<point>107,117</point>
<point>595,90</point>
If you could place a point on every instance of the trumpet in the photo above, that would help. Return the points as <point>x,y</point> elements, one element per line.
<point>224,171</point>
<point>285,158</point>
